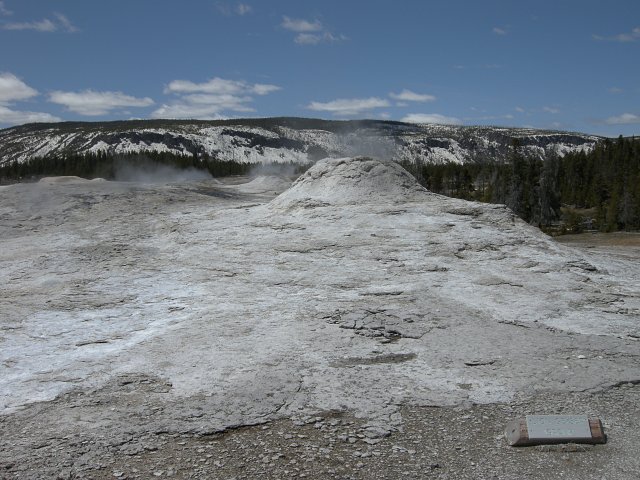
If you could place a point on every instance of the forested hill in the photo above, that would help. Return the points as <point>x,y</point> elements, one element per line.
<point>578,191</point>
<point>296,140</point>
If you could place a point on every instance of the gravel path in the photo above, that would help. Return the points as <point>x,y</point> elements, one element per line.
<point>464,442</point>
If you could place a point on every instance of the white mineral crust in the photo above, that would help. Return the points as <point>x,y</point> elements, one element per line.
<point>354,290</point>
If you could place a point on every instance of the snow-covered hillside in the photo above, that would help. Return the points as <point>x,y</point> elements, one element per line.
<point>277,140</point>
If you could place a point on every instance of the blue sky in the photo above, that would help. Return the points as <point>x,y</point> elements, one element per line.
<point>562,64</point>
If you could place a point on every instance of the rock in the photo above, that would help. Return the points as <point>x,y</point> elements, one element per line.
<point>375,431</point>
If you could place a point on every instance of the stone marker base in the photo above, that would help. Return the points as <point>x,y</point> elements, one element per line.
<point>554,429</point>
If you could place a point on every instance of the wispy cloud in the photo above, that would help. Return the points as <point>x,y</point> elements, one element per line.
<point>632,36</point>
<point>4,11</point>
<point>499,31</point>
<point>243,9</point>
<point>615,90</point>
<point>211,99</point>
<point>229,10</point>
<point>431,118</point>
<point>59,23</point>
<point>349,106</point>
<point>552,110</point>
<point>520,110</point>
<point>409,96</point>
<point>624,119</point>
<point>310,32</point>
<point>300,25</point>
<point>92,103</point>
<point>316,38</point>
<point>15,117</point>
<point>44,25</point>
<point>64,23</point>
<point>13,89</point>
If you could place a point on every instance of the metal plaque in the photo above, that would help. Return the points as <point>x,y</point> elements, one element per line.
<point>542,427</point>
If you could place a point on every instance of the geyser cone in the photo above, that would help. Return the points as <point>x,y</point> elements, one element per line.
<point>348,181</point>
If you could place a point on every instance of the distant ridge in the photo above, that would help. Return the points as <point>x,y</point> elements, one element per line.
<point>288,139</point>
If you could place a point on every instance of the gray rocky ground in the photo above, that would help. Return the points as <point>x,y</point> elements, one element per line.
<point>355,326</point>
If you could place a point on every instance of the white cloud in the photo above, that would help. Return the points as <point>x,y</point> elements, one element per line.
<point>13,117</point>
<point>624,119</point>
<point>615,90</point>
<point>349,106</point>
<point>4,11</point>
<point>409,96</point>
<point>219,86</point>
<point>59,23</point>
<point>221,102</point>
<point>65,23</point>
<point>310,32</point>
<point>551,110</point>
<point>13,89</point>
<point>316,38</point>
<point>89,102</point>
<point>300,25</point>
<point>44,25</point>
<point>431,118</point>
<point>519,109</point>
<point>264,89</point>
<point>499,31</point>
<point>210,99</point>
<point>632,36</point>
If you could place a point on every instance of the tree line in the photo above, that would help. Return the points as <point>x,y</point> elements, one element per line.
<point>105,165</point>
<point>596,190</point>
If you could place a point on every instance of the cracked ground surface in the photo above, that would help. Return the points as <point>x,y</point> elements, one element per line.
<point>137,316</point>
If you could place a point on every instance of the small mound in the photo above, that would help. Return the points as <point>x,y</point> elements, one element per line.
<point>265,183</point>
<point>345,181</point>
<point>62,180</point>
